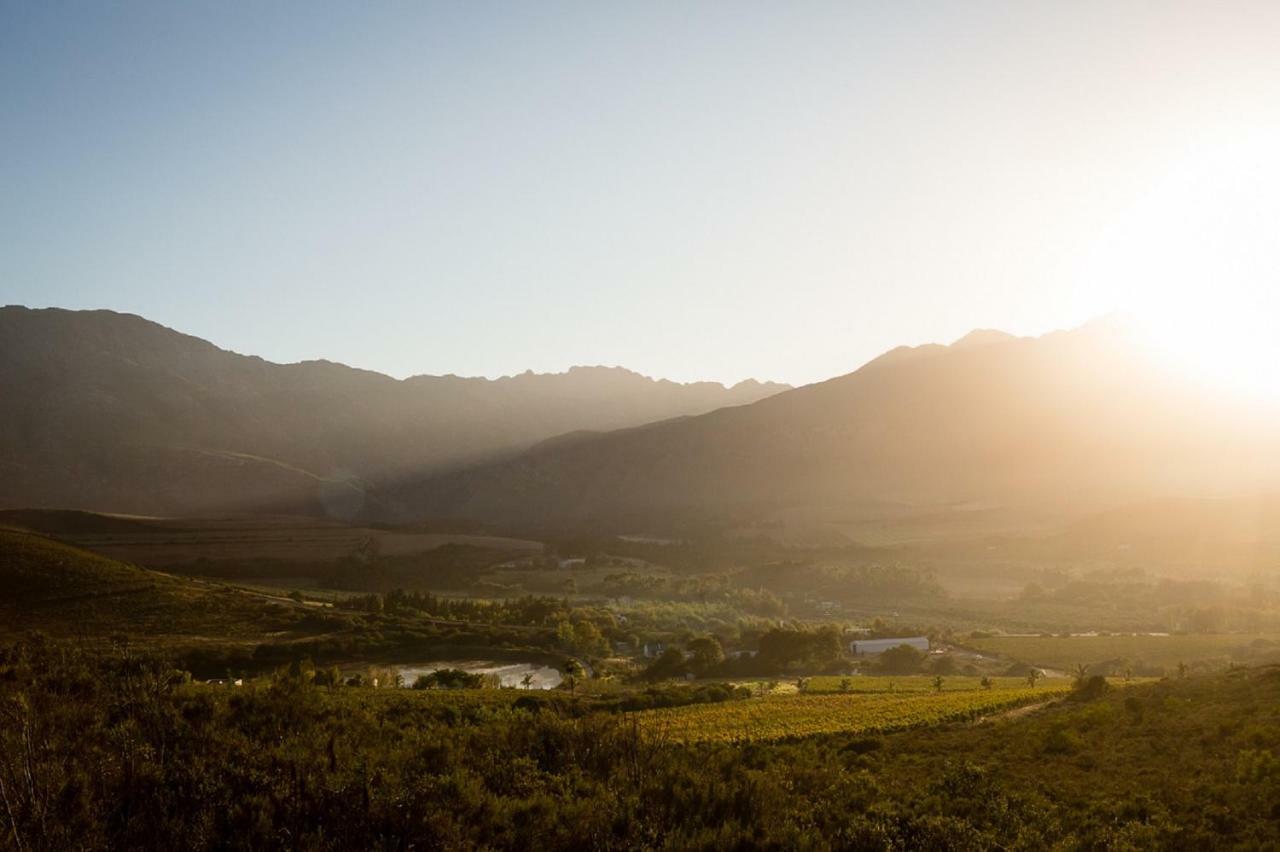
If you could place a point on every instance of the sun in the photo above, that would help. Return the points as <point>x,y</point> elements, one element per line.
<point>1195,261</point>
<point>1225,341</point>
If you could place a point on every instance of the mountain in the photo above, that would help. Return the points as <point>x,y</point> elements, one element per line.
<point>1061,425</point>
<point>114,412</point>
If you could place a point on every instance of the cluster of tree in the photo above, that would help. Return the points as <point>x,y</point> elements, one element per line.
<point>581,637</point>
<point>783,649</point>
<point>780,649</point>
<point>454,679</point>
<point>702,657</point>
<point>702,588</point>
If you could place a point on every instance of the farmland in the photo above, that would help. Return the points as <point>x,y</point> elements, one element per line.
<point>920,683</point>
<point>1146,653</point>
<point>786,717</point>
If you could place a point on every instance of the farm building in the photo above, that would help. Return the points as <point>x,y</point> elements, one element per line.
<point>653,649</point>
<point>872,647</point>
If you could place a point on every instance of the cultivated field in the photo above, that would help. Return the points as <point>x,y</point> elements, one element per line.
<point>921,683</point>
<point>789,716</point>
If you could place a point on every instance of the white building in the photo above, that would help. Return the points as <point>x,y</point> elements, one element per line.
<point>872,647</point>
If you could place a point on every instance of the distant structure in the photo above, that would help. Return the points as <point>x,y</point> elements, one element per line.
<point>872,647</point>
<point>653,649</point>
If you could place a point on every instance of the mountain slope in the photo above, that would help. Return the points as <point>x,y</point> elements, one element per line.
<point>110,411</point>
<point>1071,421</point>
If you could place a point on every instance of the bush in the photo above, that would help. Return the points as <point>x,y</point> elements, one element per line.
<point>1091,688</point>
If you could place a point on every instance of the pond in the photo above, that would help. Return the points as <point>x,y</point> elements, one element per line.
<point>509,674</point>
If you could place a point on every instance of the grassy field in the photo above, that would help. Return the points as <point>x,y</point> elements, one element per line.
<point>1161,652</point>
<point>790,716</point>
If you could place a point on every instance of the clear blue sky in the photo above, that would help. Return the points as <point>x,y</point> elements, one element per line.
<point>692,190</point>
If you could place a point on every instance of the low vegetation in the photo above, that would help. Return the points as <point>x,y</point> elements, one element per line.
<point>121,751</point>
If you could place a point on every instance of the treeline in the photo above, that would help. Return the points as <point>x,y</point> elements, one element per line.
<point>527,611</point>
<point>709,588</point>
<point>780,650</point>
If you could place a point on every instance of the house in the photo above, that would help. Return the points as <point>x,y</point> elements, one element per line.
<point>653,649</point>
<point>872,647</point>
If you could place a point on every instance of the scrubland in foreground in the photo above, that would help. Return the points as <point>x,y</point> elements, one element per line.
<point>120,752</point>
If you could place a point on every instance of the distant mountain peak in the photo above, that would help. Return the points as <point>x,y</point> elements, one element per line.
<point>983,337</point>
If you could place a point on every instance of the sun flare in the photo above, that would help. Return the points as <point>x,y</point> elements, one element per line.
<point>1191,262</point>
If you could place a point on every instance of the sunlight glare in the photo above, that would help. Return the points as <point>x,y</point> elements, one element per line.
<point>1196,263</point>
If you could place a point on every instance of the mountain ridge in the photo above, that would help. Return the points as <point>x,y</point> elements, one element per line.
<point>113,411</point>
<point>1079,421</point>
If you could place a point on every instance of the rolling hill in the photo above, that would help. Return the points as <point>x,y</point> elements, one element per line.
<point>64,591</point>
<point>1059,426</point>
<point>112,412</point>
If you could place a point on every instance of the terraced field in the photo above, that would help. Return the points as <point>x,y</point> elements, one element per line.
<point>791,716</point>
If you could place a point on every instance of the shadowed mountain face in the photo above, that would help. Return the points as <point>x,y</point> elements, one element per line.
<point>110,411</point>
<point>1065,424</point>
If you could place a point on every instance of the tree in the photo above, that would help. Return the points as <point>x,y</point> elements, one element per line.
<point>1078,675</point>
<point>1033,676</point>
<point>944,666</point>
<point>900,660</point>
<point>986,682</point>
<point>705,653</point>
<point>845,684</point>
<point>527,680</point>
<point>670,663</point>
<point>564,634</point>
<point>588,640</point>
<point>572,670</point>
<point>937,683</point>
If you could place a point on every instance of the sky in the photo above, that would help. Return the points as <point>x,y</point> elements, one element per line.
<point>707,190</point>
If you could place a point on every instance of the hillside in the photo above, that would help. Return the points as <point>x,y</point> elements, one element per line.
<point>64,591</point>
<point>1063,425</point>
<point>112,412</point>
